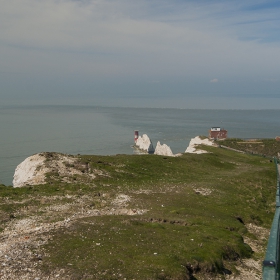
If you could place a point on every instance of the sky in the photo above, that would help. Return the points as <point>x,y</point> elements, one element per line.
<point>198,54</point>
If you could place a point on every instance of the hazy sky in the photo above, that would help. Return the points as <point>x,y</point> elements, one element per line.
<point>152,53</point>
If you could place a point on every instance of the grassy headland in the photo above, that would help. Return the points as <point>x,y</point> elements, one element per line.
<point>263,147</point>
<point>186,216</point>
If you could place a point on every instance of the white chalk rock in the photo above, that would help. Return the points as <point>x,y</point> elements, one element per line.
<point>33,170</point>
<point>198,141</point>
<point>163,150</point>
<point>144,143</point>
<point>29,172</point>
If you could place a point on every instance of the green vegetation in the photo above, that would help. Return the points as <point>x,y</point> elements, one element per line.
<point>263,147</point>
<point>195,211</point>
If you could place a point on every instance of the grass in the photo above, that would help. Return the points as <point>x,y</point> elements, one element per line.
<point>263,147</point>
<point>182,234</point>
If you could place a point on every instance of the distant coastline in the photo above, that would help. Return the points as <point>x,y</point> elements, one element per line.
<point>27,130</point>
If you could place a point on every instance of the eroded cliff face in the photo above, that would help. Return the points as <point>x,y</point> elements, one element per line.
<point>198,141</point>
<point>30,171</point>
<point>145,144</point>
<point>34,169</point>
<point>163,150</point>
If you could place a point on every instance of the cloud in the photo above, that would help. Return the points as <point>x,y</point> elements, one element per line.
<point>126,31</point>
<point>98,41</point>
<point>214,81</point>
<point>272,80</point>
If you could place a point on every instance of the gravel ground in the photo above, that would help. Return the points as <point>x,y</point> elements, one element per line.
<point>21,253</point>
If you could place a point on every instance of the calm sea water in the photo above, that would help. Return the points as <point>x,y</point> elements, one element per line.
<point>108,130</point>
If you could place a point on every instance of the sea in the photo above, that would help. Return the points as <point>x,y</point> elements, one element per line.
<point>26,130</point>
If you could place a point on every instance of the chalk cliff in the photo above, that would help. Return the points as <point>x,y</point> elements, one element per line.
<point>29,172</point>
<point>144,143</point>
<point>61,167</point>
<point>33,170</point>
<point>198,141</point>
<point>163,150</point>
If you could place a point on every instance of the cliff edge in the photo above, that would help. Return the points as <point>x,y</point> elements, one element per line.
<point>198,141</point>
<point>34,169</point>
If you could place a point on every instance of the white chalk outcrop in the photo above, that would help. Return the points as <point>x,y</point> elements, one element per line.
<point>144,143</point>
<point>33,170</point>
<point>29,172</point>
<point>163,150</point>
<point>198,141</point>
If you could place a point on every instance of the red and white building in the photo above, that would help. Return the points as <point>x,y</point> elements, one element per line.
<point>217,133</point>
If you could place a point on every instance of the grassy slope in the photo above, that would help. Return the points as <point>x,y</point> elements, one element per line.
<point>264,147</point>
<point>182,232</point>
